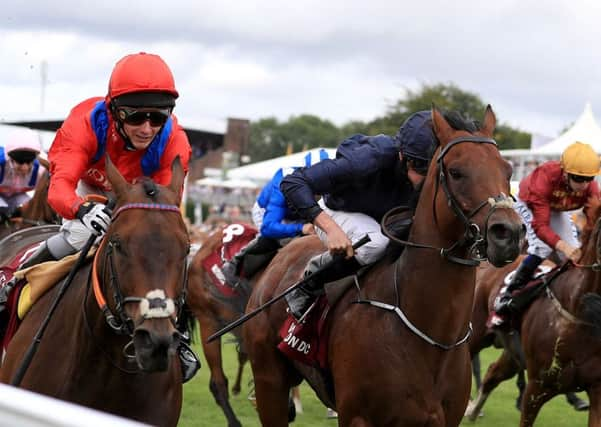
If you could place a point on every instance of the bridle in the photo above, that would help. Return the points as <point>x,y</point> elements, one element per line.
<point>154,305</point>
<point>472,236</point>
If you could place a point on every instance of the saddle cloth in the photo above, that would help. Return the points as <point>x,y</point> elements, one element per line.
<point>235,237</point>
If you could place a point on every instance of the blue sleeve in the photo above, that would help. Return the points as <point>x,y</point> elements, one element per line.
<point>276,212</point>
<point>357,158</point>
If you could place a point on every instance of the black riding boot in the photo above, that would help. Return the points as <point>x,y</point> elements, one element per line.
<point>42,254</point>
<point>260,250</point>
<point>302,297</point>
<point>518,281</point>
<point>231,268</point>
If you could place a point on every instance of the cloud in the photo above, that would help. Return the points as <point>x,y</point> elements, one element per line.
<point>341,60</point>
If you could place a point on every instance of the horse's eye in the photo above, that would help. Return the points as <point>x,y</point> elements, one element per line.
<point>455,173</point>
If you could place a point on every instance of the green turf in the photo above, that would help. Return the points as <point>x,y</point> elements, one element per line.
<point>200,409</point>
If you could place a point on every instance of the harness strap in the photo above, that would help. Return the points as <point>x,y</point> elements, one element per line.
<point>413,328</point>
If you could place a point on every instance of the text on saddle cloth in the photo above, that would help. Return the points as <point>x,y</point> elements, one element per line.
<point>235,237</point>
<point>306,341</point>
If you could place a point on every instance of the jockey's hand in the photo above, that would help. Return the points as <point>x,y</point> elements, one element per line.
<point>338,242</point>
<point>95,216</point>
<point>308,228</point>
<point>568,250</point>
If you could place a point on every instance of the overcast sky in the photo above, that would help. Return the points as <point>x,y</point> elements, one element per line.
<point>536,62</point>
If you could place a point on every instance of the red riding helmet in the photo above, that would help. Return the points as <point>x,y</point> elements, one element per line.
<point>142,80</point>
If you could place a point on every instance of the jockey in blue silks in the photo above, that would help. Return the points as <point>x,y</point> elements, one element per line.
<point>277,224</point>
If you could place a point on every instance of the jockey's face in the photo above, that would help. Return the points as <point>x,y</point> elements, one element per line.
<point>141,135</point>
<point>22,168</point>
<point>415,178</point>
<point>142,124</point>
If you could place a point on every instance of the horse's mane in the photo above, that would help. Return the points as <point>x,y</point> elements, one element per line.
<point>591,210</point>
<point>458,122</point>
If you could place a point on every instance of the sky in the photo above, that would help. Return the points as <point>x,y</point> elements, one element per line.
<point>536,62</point>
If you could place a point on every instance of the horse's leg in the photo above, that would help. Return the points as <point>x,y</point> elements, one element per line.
<point>534,398</point>
<point>594,413</point>
<point>504,368</point>
<point>218,383</point>
<point>577,403</point>
<point>521,385</point>
<point>297,399</point>
<point>476,370</point>
<point>242,358</point>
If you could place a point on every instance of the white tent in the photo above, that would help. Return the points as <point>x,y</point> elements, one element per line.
<point>585,129</point>
<point>262,172</point>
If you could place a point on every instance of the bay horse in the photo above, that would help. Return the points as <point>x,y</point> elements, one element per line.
<point>213,312</point>
<point>36,211</point>
<point>559,332</point>
<point>111,343</point>
<point>396,352</point>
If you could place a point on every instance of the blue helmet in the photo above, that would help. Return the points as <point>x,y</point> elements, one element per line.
<point>416,137</point>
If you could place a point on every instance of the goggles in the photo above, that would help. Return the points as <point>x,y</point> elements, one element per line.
<point>22,157</point>
<point>137,117</point>
<point>580,179</point>
<point>419,165</point>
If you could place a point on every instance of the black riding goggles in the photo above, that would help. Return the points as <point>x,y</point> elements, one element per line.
<point>580,179</point>
<point>137,117</point>
<point>419,165</point>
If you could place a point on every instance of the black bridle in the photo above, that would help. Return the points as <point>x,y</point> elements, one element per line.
<point>472,236</point>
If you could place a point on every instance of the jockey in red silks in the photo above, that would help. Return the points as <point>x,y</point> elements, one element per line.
<point>19,170</point>
<point>545,200</point>
<point>135,126</point>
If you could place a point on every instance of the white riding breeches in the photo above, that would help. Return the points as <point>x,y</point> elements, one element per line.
<point>560,221</point>
<point>356,225</point>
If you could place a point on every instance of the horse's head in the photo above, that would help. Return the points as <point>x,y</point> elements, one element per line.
<point>142,265</point>
<point>591,235</point>
<point>474,208</point>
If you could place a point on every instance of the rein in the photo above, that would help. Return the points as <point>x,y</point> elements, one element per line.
<point>472,235</point>
<point>154,305</point>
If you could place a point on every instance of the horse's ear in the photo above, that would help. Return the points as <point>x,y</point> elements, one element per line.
<point>119,183</point>
<point>177,175</point>
<point>489,123</point>
<point>441,128</point>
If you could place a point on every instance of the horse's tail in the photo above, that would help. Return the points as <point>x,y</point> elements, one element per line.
<point>590,311</point>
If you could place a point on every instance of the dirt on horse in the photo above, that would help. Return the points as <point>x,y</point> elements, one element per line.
<point>399,356</point>
<point>559,332</point>
<point>111,344</point>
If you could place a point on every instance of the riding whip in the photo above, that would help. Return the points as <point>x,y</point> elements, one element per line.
<point>40,333</point>
<point>257,310</point>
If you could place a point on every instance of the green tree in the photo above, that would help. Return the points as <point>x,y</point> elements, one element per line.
<point>270,138</point>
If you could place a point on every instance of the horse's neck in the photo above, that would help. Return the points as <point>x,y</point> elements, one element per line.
<point>432,284</point>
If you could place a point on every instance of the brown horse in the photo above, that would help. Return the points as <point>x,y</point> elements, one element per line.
<point>559,332</point>
<point>36,211</point>
<point>396,349</point>
<point>113,348</point>
<point>213,312</point>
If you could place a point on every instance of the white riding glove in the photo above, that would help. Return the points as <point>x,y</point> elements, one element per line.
<point>95,216</point>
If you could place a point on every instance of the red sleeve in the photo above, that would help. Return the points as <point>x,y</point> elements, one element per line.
<point>539,196</point>
<point>178,145</point>
<point>70,154</point>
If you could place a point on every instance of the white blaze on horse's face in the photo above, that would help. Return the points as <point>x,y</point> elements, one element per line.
<point>156,306</point>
